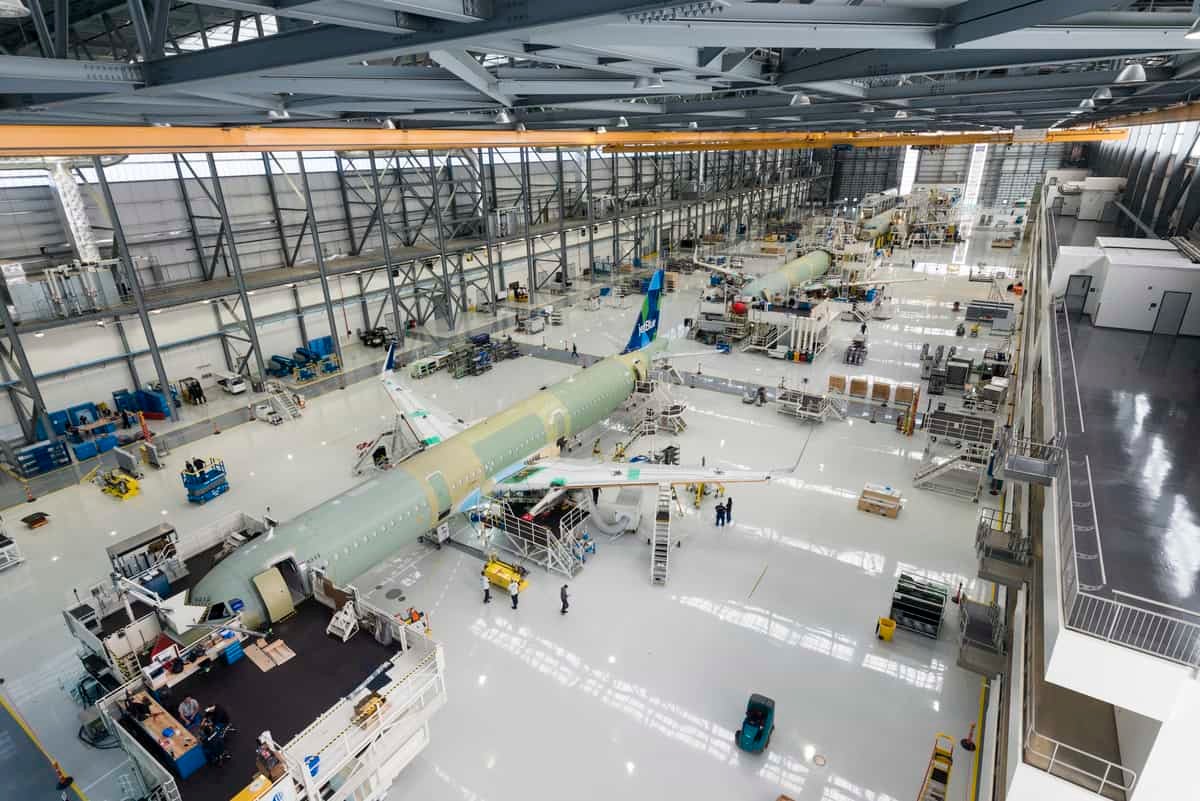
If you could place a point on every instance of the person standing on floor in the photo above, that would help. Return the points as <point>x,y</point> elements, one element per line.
<point>513,589</point>
<point>487,586</point>
<point>720,514</point>
<point>562,594</point>
<point>574,351</point>
<point>729,510</point>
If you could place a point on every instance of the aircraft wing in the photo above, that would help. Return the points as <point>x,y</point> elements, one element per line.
<point>431,425</point>
<point>551,474</point>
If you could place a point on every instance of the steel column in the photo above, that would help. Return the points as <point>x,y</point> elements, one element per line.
<point>320,257</point>
<point>591,215</point>
<point>135,287</point>
<point>129,360</point>
<point>436,199</point>
<point>28,381</point>
<point>562,218</point>
<point>527,192</point>
<point>384,231</point>
<point>235,263</point>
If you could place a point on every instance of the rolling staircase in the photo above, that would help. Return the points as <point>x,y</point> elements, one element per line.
<point>937,774</point>
<point>283,401</point>
<point>960,476</point>
<point>344,624</point>
<point>660,540</point>
<point>764,336</point>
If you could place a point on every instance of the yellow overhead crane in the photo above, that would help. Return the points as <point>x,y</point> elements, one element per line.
<point>102,140</point>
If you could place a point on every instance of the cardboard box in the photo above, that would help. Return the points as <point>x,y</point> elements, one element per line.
<point>880,500</point>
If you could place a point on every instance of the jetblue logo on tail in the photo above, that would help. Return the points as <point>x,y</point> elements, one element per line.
<point>646,327</point>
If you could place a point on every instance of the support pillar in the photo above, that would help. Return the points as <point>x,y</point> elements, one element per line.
<point>135,287</point>
<point>384,232</point>
<point>320,257</point>
<point>235,264</point>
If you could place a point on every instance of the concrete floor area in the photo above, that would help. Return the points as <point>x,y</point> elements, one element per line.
<point>638,690</point>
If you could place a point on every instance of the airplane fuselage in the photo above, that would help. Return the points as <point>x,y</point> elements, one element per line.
<point>361,528</point>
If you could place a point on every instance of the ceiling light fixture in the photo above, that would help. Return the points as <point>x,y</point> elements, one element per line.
<point>279,114</point>
<point>902,114</point>
<point>622,122</point>
<point>600,129</point>
<point>647,82</point>
<point>1193,32</point>
<point>868,108</point>
<point>693,125</point>
<point>1103,93</point>
<point>800,99</point>
<point>520,127</point>
<point>1087,102</point>
<point>388,124</point>
<point>1132,73</point>
<point>503,117</point>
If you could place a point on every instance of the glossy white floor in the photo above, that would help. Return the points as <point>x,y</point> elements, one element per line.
<point>638,689</point>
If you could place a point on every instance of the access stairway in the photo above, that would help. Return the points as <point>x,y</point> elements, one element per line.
<point>660,540</point>
<point>283,401</point>
<point>556,551</point>
<point>763,336</point>
<point>807,406</point>
<point>960,476</point>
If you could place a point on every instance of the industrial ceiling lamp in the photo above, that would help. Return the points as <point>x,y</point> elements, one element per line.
<point>647,82</point>
<point>1193,32</point>
<point>388,124</point>
<point>279,114</point>
<point>600,129</point>
<point>1132,73</point>
<point>1087,102</point>
<point>520,127</point>
<point>622,122</point>
<point>1103,93</point>
<point>693,125</point>
<point>800,99</point>
<point>13,9</point>
<point>503,117</point>
<point>902,114</point>
<point>867,108</point>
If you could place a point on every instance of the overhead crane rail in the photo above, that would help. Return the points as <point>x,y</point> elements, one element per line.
<point>99,140</point>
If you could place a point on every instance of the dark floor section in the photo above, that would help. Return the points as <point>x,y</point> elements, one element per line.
<point>1140,439</point>
<point>284,700</point>
<point>26,772</point>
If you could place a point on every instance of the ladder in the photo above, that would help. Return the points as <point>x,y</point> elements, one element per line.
<point>283,401</point>
<point>344,624</point>
<point>660,542</point>
<point>937,774</point>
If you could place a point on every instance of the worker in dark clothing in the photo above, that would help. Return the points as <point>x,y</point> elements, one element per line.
<point>864,329</point>
<point>562,594</point>
<point>487,586</point>
<point>574,351</point>
<point>729,510</point>
<point>720,515</point>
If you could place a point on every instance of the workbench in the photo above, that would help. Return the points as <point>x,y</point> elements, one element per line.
<point>181,746</point>
<point>214,647</point>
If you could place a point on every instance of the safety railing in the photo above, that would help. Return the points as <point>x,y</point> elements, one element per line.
<point>1101,776</point>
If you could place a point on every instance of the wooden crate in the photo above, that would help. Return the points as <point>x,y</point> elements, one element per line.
<point>858,387</point>
<point>837,383</point>
<point>905,394</point>
<point>877,499</point>
<point>881,391</point>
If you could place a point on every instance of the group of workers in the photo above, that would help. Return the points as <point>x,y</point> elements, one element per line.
<point>725,512</point>
<point>210,725</point>
<point>514,592</point>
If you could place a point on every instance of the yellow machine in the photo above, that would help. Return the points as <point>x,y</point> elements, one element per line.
<point>501,573</point>
<point>937,773</point>
<point>117,483</point>
<point>619,452</point>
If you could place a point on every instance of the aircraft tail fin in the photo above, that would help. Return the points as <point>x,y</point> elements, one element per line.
<point>646,328</point>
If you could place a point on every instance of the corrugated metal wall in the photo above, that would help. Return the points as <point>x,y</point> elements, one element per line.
<point>945,165</point>
<point>1011,172</point>
<point>861,171</point>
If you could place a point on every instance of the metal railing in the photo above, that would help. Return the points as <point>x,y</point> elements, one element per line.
<point>1113,776</point>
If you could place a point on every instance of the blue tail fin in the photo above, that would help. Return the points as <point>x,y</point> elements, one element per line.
<point>646,328</point>
<point>389,364</point>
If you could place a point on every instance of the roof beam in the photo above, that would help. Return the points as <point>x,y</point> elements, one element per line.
<point>979,19</point>
<point>468,70</point>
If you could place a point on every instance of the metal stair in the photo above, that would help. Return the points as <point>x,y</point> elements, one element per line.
<point>949,477</point>
<point>74,211</point>
<point>283,401</point>
<point>660,541</point>
<point>344,624</point>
